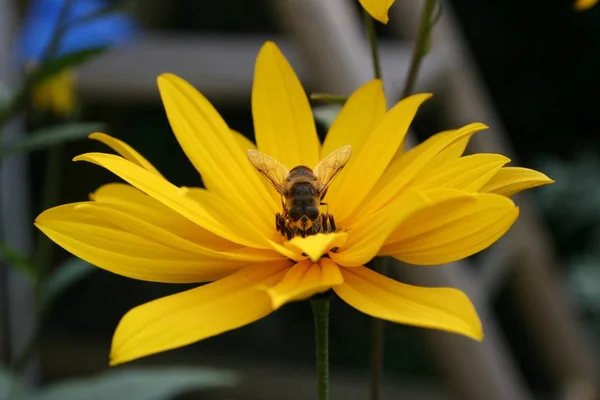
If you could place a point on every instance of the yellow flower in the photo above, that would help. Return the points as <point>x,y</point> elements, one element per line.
<point>56,94</point>
<point>378,9</point>
<point>583,5</point>
<point>429,205</point>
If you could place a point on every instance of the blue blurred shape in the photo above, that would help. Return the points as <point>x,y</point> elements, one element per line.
<point>41,22</point>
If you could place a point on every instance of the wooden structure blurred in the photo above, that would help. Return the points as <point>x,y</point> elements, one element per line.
<point>331,54</point>
<point>337,47</point>
<point>16,296</point>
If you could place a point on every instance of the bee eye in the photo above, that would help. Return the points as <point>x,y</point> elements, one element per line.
<point>312,212</point>
<point>295,213</point>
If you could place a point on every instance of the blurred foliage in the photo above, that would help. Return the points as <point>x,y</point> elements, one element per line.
<point>158,383</point>
<point>50,136</point>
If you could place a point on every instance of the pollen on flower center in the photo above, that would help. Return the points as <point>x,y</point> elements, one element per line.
<point>304,221</point>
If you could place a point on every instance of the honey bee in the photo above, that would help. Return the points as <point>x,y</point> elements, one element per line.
<point>302,191</point>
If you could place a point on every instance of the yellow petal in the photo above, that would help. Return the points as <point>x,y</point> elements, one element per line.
<point>367,235</point>
<point>125,150</point>
<point>378,9</point>
<point>304,280</point>
<point>315,246</point>
<point>511,180</point>
<point>243,141</point>
<point>283,120</point>
<point>359,116</point>
<point>233,218</point>
<point>403,170</point>
<point>468,173</point>
<point>369,161</point>
<point>128,199</point>
<point>131,223</point>
<point>112,248</point>
<point>450,153</point>
<point>213,149</point>
<point>184,318</point>
<point>456,226</point>
<point>171,196</point>
<point>583,5</point>
<point>445,309</point>
<point>246,144</point>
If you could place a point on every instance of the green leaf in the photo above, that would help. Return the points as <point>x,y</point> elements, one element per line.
<point>51,136</point>
<point>326,114</point>
<point>17,260</point>
<point>10,384</point>
<point>55,65</point>
<point>139,384</point>
<point>64,276</point>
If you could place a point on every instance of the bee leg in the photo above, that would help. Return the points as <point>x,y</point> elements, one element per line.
<point>327,210</point>
<point>332,223</point>
<point>324,227</point>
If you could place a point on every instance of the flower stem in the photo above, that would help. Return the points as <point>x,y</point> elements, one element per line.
<point>320,306</point>
<point>377,342</point>
<point>421,46</point>
<point>370,25</point>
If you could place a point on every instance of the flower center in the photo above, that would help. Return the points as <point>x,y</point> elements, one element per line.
<point>306,221</point>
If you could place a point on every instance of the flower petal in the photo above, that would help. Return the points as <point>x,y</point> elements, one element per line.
<point>112,248</point>
<point>187,317</point>
<point>128,199</point>
<point>367,235</point>
<point>511,180</point>
<point>283,120</point>
<point>450,153</point>
<point>584,5</point>
<point>468,173</point>
<point>233,218</point>
<point>125,151</point>
<point>403,170</point>
<point>445,309</point>
<point>212,148</point>
<point>315,246</point>
<point>244,143</point>
<point>378,9</point>
<point>304,280</point>
<point>171,196</point>
<point>133,224</point>
<point>355,182</point>
<point>456,226</point>
<point>359,116</point>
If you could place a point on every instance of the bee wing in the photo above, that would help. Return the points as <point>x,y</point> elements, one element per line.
<point>273,171</point>
<point>330,167</point>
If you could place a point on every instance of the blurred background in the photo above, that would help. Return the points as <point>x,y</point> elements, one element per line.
<point>527,69</point>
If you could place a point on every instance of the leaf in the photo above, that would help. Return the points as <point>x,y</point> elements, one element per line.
<point>16,259</point>
<point>139,384</point>
<point>326,114</point>
<point>9,384</point>
<point>64,276</point>
<point>50,136</point>
<point>55,65</point>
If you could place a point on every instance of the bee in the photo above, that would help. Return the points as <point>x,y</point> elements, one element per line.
<point>302,191</point>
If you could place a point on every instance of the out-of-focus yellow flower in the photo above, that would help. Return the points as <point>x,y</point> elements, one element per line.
<point>429,205</point>
<point>378,9</point>
<point>56,94</point>
<point>583,5</point>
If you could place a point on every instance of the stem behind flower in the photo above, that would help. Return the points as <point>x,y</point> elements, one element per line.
<point>320,306</point>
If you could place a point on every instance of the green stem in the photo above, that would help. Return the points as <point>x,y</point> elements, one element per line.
<point>377,325</point>
<point>370,25</point>
<point>421,46</point>
<point>328,98</point>
<point>377,342</point>
<point>320,306</point>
